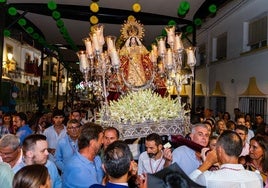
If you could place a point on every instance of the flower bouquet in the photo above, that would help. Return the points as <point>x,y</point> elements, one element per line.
<point>140,113</point>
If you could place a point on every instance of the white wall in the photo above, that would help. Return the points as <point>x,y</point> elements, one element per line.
<point>233,73</point>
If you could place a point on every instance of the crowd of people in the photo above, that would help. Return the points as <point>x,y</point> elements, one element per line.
<point>55,150</point>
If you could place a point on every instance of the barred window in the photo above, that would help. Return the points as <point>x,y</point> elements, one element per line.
<point>217,104</point>
<point>253,106</point>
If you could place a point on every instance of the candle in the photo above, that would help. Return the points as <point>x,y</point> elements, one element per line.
<point>88,45</point>
<point>178,46</point>
<point>110,42</point>
<point>171,35</point>
<point>99,32</point>
<point>191,60</point>
<point>83,65</point>
<point>169,60</point>
<point>115,58</point>
<point>95,41</point>
<point>161,46</point>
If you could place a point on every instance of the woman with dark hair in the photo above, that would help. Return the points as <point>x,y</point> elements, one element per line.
<point>32,176</point>
<point>226,116</point>
<point>38,123</point>
<point>258,156</point>
<point>6,127</point>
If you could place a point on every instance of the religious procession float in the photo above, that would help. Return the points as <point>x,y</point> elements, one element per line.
<point>134,82</point>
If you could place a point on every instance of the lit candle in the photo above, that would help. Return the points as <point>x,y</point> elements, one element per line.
<point>191,60</point>
<point>95,41</point>
<point>115,58</point>
<point>169,58</point>
<point>83,65</point>
<point>178,46</point>
<point>161,46</point>
<point>171,35</point>
<point>99,32</point>
<point>88,45</point>
<point>110,42</point>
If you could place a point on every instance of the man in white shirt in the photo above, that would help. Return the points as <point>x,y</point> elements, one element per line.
<point>55,132</point>
<point>230,174</point>
<point>151,161</point>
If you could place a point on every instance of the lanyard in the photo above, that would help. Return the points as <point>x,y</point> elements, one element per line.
<point>156,167</point>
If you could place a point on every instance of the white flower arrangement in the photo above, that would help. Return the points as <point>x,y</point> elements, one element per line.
<point>143,106</point>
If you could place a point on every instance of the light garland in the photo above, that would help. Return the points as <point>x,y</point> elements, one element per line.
<point>136,7</point>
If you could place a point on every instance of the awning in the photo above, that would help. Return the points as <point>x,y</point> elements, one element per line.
<point>252,89</point>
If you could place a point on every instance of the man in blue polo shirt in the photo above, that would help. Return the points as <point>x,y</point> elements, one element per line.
<point>20,121</point>
<point>84,168</point>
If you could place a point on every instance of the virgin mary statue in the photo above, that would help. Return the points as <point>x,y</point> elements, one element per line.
<point>136,69</point>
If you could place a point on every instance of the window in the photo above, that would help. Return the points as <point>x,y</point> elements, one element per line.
<point>200,101</point>
<point>257,34</point>
<point>253,106</point>
<point>221,46</point>
<point>202,54</point>
<point>217,104</point>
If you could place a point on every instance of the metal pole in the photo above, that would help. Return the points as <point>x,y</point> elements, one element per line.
<point>193,79</point>
<point>72,90</point>
<point>2,27</point>
<point>66,88</point>
<point>40,101</point>
<point>58,85</point>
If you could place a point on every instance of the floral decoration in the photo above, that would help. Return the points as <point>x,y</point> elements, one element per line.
<point>142,106</point>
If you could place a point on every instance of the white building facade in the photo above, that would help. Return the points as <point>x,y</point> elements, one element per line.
<point>233,46</point>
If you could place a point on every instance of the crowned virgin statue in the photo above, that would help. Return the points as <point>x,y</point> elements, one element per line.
<point>136,68</point>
